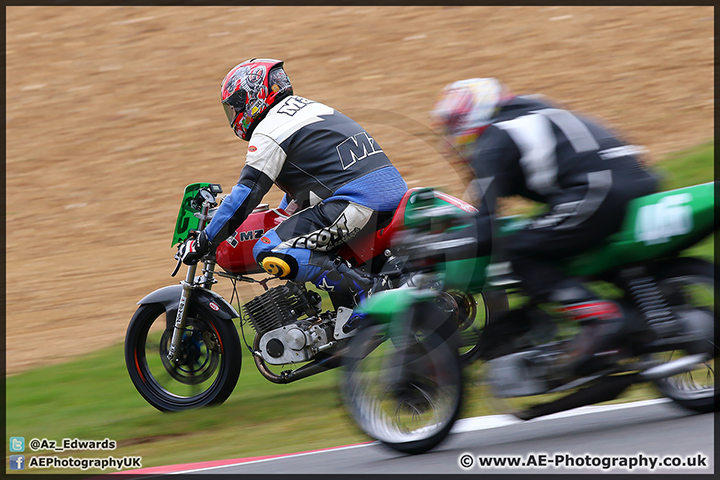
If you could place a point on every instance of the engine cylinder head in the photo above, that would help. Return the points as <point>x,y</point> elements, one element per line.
<point>270,310</point>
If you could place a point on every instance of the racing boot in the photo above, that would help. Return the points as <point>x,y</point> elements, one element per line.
<point>516,329</point>
<point>336,275</point>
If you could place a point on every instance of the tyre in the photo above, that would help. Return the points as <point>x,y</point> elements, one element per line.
<point>208,363</point>
<point>688,284</point>
<point>405,394</point>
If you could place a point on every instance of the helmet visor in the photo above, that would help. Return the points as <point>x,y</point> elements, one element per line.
<point>234,105</point>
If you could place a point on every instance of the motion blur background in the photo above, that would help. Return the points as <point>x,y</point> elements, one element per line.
<point>111,111</point>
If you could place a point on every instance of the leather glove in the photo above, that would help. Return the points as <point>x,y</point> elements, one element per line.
<point>193,248</point>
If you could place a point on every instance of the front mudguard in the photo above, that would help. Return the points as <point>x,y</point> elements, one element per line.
<point>407,311</point>
<point>394,308</point>
<point>169,298</point>
<point>386,305</point>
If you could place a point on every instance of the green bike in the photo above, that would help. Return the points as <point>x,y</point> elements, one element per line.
<point>403,380</point>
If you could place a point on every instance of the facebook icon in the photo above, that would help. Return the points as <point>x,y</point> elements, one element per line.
<point>17,462</point>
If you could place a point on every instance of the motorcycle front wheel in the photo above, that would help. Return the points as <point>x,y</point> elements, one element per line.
<point>207,366</point>
<point>407,395</point>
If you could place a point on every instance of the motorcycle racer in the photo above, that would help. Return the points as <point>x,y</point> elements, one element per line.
<point>582,171</point>
<point>336,178</point>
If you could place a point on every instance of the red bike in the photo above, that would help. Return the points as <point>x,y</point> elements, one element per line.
<point>182,347</point>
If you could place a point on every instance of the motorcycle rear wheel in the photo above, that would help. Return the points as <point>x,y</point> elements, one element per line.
<point>208,366</point>
<point>407,397</point>
<point>689,282</point>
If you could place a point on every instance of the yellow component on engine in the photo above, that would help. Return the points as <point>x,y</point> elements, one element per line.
<point>276,266</point>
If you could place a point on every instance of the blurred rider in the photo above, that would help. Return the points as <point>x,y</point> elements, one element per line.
<point>335,176</point>
<point>582,171</point>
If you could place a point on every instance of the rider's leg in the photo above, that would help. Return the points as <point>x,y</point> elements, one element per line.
<point>535,252</point>
<point>302,248</point>
<point>601,321</point>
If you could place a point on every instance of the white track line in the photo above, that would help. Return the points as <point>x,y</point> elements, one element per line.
<point>495,421</point>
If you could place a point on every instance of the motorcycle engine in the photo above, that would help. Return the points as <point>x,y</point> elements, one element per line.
<point>285,337</point>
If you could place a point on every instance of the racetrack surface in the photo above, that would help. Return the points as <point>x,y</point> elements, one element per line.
<point>639,430</point>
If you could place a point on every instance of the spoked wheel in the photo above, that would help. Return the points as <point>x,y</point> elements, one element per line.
<point>406,394</point>
<point>689,288</point>
<point>207,367</point>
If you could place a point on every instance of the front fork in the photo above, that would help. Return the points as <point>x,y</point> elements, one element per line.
<point>188,285</point>
<point>181,317</point>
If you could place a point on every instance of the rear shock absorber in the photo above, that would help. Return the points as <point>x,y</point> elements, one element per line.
<point>652,305</point>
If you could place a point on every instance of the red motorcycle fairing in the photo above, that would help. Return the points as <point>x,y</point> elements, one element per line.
<point>235,254</point>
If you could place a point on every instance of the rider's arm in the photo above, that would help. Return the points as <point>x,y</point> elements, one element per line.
<point>288,205</point>
<point>285,201</point>
<point>235,208</point>
<point>494,162</point>
<point>263,163</point>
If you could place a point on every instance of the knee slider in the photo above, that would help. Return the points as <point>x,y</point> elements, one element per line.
<point>279,265</point>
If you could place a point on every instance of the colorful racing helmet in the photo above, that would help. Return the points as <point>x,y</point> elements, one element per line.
<point>464,109</point>
<point>250,89</point>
